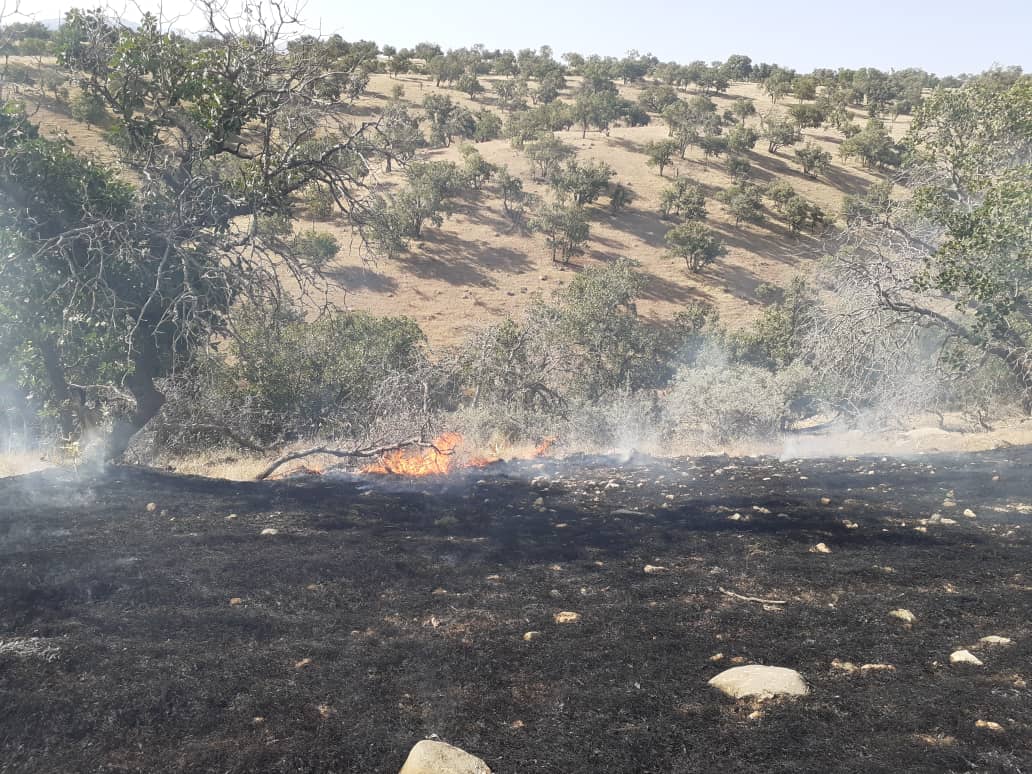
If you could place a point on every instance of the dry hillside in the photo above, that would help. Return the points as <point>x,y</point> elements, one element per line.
<point>476,267</point>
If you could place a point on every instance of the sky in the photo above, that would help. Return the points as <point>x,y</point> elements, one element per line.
<point>944,37</point>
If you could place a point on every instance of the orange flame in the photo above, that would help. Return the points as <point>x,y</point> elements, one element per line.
<point>432,461</point>
<point>441,458</point>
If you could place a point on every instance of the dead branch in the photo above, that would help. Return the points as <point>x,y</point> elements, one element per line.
<point>343,453</point>
<point>753,599</point>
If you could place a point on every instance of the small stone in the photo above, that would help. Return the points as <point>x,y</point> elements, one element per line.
<point>989,725</point>
<point>877,668</point>
<point>825,501</point>
<point>231,517</point>
<point>270,531</point>
<point>735,517</point>
<point>947,522</point>
<point>820,548</point>
<point>530,636</point>
<point>948,503</point>
<point>759,681</point>
<point>430,757</point>
<point>652,569</point>
<point>257,720</point>
<point>439,592</point>
<point>995,639</point>
<point>325,711</point>
<point>151,507</point>
<point>903,615</point>
<point>716,657</point>
<point>303,663</point>
<point>970,513</point>
<point>964,657</point>
<point>936,740</point>
<point>566,617</point>
<point>539,503</point>
<point>756,715</point>
<point>850,524</point>
<point>234,601</point>
<point>844,666</point>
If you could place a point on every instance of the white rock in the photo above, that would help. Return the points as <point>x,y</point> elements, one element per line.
<point>566,617</point>
<point>989,725</point>
<point>965,657</point>
<point>652,569</point>
<point>995,639</point>
<point>760,681</point>
<point>430,757</point>
<point>903,615</point>
<point>820,548</point>
<point>270,531</point>
<point>970,513</point>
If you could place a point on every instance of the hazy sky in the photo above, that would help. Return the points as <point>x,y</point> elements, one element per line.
<point>948,36</point>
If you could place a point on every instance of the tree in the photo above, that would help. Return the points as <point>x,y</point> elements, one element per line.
<point>432,188</point>
<point>743,202</point>
<point>657,97</point>
<point>873,145</point>
<point>598,109</point>
<point>468,83</point>
<point>620,197</point>
<point>805,87</point>
<point>660,153</point>
<point>738,67</point>
<point>807,114</point>
<point>585,182</point>
<point>440,111</point>
<point>475,169</point>
<point>120,278</point>
<point>684,199</point>
<point>400,62</point>
<point>738,168</point>
<point>695,244</point>
<point>565,228</point>
<point>743,109</point>
<point>511,94</point>
<point>814,159</point>
<point>780,131</point>
<point>547,156</point>
<point>780,192</point>
<point>954,254</point>
<point>778,84</point>
<point>742,139</point>
<point>488,126</point>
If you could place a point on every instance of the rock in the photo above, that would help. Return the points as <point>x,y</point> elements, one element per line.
<point>151,507</point>
<point>877,668</point>
<point>270,531</point>
<point>716,657</point>
<point>820,548</point>
<point>903,615</point>
<point>989,725</point>
<point>735,517</point>
<point>234,601</point>
<point>231,517</point>
<point>652,569</point>
<point>825,501</point>
<point>970,513</point>
<point>530,636</point>
<point>303,663</point>
<point>566,617</point>
<point>965,657</point>
<point>844,666</point>
<point>759,681</point>
<point>995,639</point>
<point>430,757</point>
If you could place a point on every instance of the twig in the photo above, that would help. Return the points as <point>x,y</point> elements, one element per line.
<point>753,599</point>
<point>377,452</point>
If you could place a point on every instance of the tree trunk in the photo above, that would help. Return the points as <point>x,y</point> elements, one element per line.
<point>58,384</point>
<point>146,367</point>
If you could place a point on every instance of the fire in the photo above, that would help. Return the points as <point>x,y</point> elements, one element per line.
<point>441,457</point>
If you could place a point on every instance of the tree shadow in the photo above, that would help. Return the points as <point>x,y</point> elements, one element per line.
<point>646,226</point>
<point>362,278</point>
<point>662,289</point>
<point>446,257</point>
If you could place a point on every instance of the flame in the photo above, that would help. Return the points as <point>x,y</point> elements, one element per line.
<point>435,460</point>
<point>441,458</point>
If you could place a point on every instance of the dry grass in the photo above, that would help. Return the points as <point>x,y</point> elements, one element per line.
<point>21,463</point>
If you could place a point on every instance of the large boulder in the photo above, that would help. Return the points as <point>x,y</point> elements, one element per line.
<point>430,757</point>
<point>760,681</point>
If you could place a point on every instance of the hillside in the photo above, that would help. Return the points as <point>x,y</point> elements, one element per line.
<point>476,267</point>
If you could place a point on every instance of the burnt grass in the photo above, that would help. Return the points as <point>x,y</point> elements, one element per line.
<point>410,601</point>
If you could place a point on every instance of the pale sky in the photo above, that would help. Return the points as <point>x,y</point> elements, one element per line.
<point>944,37</point>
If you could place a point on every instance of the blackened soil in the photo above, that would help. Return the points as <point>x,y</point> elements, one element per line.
<point>378,616</point>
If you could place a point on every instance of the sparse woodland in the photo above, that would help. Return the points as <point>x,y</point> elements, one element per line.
<point>255,237</point>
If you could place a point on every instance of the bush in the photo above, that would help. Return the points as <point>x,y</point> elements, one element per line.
<point>316,248</point>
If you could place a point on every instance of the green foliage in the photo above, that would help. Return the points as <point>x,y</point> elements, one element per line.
<point>469,84</point>
<point>738,168</point>
<point>695,244</point>
<point>813,158</point>
<point>807,114</point>
<point>743,109</point>
<point>89,109</point>
<point>660,153</point>
<point>779,132</point>
<point>780,192</point>
<point>432,188</point>
<point>547,156</point>
<point>565,228</point>
<point>583,182</point>
<point>683,199</point>
<point>316,248</point>
<point>713,145</point>
<point>873,146</point>
<point>476,170</point>
<point>620,197</point>
<point>488,126</point>
<point>656,97</point>
<point>742,139</point>
<point>743,202</point>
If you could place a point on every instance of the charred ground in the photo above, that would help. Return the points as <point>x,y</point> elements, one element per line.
<point>380,614</point>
